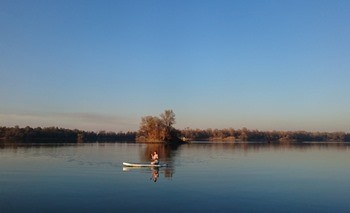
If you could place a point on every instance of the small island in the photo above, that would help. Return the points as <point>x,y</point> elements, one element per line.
<point>155,129</point>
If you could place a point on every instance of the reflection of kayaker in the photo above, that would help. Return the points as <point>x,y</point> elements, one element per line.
<point>155,174</point>
<point>155,158</point>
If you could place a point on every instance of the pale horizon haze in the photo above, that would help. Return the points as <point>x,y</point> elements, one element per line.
<point>102,65</point>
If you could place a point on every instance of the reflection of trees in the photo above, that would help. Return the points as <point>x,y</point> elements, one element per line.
<point>256,147</point>
<point>166,154</point>
<point>15,145</point>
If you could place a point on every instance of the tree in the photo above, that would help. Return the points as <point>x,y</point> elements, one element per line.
<point>158,129</point>
<point>151,127</point>
<point>168,119</point>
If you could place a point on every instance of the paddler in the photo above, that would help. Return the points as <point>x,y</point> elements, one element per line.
<point>154,158</point>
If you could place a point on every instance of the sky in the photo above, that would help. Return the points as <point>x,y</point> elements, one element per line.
<point>102,65</point>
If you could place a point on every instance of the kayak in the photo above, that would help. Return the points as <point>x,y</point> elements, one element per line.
<point>144,165</point>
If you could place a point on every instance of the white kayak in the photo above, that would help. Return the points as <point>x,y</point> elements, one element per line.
<point>144,165</point>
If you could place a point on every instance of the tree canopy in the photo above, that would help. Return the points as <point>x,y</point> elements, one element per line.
<point>55,134</point>
<point>158,129</point>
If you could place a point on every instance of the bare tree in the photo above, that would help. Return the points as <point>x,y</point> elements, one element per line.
<point>168,118</point>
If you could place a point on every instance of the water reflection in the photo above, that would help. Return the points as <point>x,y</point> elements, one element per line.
<point>261,146</point>
<point>167,154</point>
<point>217,150</point>
<point>275,177</point>
<point>155,174</point>
<point>20,145</point>
<point>153,171</point>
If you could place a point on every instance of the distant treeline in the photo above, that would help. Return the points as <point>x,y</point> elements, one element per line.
<point>55,134</point>
<point>266,136</point>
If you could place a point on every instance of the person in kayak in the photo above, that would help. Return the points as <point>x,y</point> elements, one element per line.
<point>154,158</point>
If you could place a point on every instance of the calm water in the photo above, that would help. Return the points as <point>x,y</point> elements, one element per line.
<point>202,177</point>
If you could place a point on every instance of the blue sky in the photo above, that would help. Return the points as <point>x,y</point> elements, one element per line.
<point>93,65</point>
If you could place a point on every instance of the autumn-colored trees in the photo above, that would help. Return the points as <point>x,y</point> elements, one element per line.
<point>158,129</point>
<point>264,136</point>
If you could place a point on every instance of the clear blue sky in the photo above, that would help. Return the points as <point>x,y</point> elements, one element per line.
<point>94,65</point>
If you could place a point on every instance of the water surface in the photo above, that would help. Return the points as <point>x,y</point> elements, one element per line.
<point>205,177</point>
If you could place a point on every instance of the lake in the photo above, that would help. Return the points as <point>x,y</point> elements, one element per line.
<point>201,177</point>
